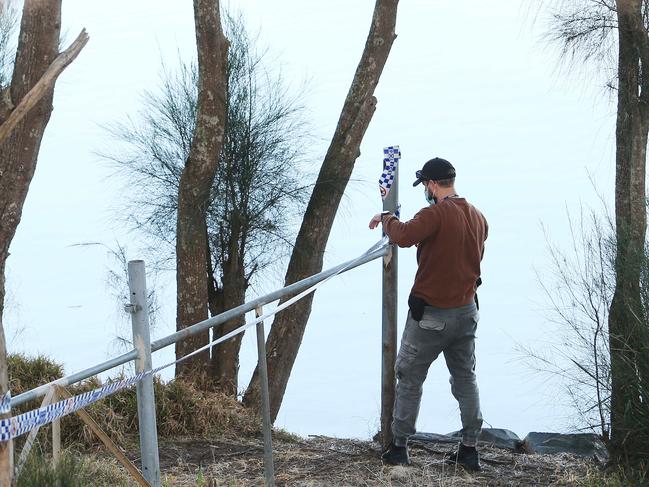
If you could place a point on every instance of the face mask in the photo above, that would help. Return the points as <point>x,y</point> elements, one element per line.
<point>430,199</point>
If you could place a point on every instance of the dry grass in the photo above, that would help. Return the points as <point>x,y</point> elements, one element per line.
<point>223,447</point>
<point>322,461</point>
<point>182,410</point>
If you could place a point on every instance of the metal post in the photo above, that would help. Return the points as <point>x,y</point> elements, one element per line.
<point>269,468</point>
<point>145,398</point>
<point>389,323</point>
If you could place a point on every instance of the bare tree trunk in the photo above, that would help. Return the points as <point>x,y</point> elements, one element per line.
<point>192,273</point>
<point>37,50</point>
<point>288,327</point>
<point>626,318</point>
<point>225,356</point>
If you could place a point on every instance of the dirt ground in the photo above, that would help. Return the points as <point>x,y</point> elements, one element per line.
<point>322,461</point>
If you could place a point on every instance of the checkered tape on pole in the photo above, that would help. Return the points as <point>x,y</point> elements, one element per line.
<point>391,156</point>
<point>23,423</point>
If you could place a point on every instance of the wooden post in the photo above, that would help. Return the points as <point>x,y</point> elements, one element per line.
<point>389,323</point>
<point>29,443</point>
<point>112,447</point>
<point>56,433</point>
<point>269,468</point>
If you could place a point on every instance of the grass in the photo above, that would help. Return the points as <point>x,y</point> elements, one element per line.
<point>611,478</point>
<point>182,410</point>
<point>72,470</point>
<point>209,439</point>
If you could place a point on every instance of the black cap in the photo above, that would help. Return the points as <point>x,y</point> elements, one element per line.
<point>434,170</point>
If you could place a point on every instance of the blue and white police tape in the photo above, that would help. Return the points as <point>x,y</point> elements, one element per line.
<point>18,425</point>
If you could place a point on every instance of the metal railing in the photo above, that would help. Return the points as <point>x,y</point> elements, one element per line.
<point>141,354</point>
<point>161,343</point>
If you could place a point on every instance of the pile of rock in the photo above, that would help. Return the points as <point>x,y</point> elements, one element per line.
<point>581,444</point>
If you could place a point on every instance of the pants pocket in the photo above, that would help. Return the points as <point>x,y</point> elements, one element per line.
<point>405,358</point>
<point>432,323</point>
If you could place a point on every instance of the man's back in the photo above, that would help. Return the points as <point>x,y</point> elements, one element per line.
<point>450,243</point>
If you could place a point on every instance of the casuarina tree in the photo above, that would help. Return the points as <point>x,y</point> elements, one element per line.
<point>627,323</point>
<point>196,182</point>
<point>588,29</point>
<point>257,184</point>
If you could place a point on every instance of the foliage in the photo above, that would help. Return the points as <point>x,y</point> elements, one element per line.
<point>612,478</point>
<point>71,471</point>
<point>182,409</point>
<point>258,181</point>
<point>27,373</point>
<point>586,30</point>
<point>580,289</point>
<point>39,472</point>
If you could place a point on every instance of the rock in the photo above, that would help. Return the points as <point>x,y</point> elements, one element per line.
<point>498,437</point>
<point>581,444</point>
<point>432,438</point>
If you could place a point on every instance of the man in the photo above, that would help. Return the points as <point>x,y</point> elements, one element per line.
<point>443,317</point>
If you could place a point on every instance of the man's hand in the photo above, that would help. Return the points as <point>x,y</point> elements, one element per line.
<point>376,219</point>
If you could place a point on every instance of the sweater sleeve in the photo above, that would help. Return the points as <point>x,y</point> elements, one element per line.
<point>406,234</point>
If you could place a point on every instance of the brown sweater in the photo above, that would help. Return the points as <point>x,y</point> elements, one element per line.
<point>450,240</point>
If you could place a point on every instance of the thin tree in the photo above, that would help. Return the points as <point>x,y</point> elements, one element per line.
<point>25,109</point>
<point>587,28</point>
<point>196,182</point>
<point>257,185</point>
<point>627,323</point>
<point>307,257</point>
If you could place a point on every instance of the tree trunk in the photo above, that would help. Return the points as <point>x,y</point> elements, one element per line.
<point>37,49</point>
<point>225,356</point>
<point>192,273</point>
<point>288,327</point>
<point>626,320</point>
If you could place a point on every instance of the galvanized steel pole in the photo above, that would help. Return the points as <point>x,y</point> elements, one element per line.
<point>389,322</point>
<point>145,397</point>
<point>269,467</point>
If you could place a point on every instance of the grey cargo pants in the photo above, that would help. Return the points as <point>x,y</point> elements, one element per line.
<point>451,331</point>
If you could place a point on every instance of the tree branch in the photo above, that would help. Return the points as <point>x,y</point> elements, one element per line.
<point>43,85</point>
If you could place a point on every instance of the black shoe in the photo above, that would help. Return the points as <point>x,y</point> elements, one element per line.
<point>467,456</point>
<point>396,455</point>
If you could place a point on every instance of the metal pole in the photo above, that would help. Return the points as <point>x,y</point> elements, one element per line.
<point>145,398</point>
<point>389,323</point>
<point>269,468</point>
